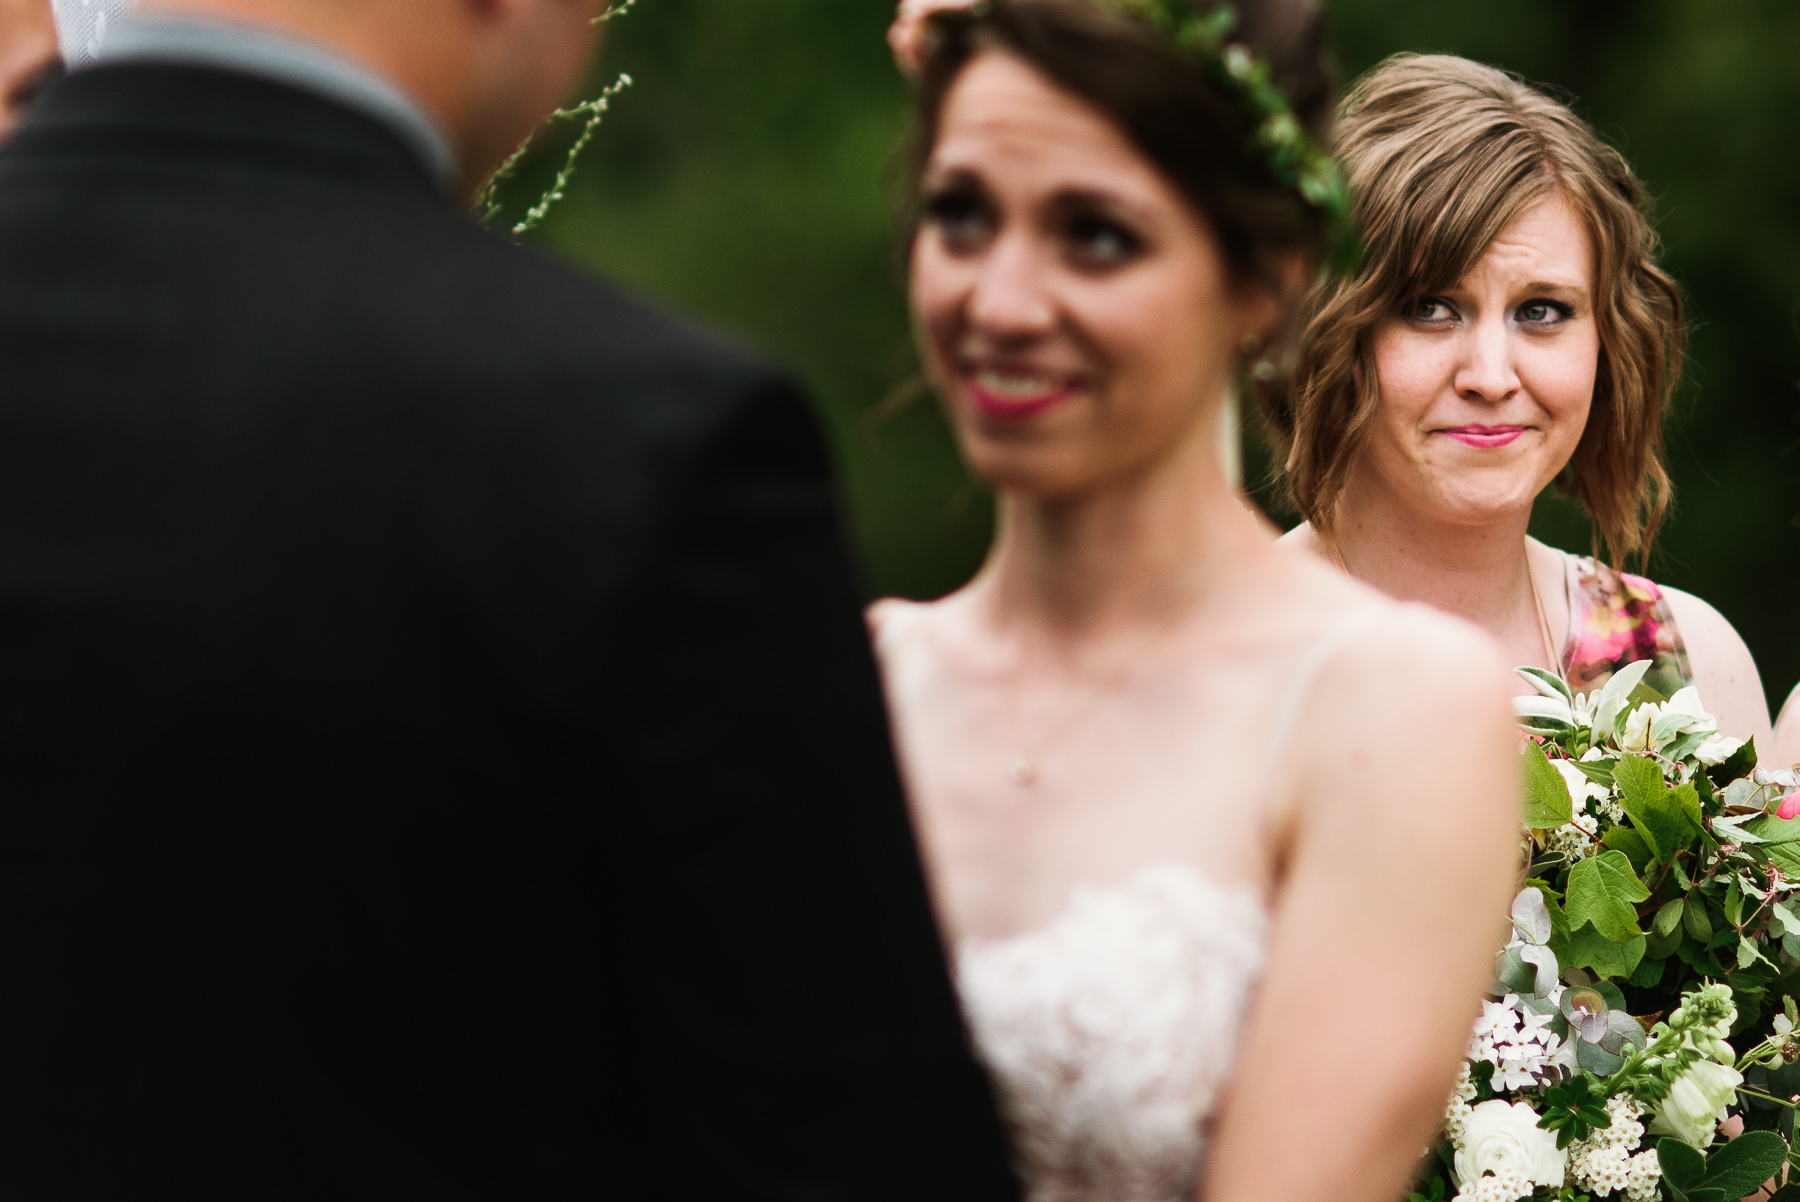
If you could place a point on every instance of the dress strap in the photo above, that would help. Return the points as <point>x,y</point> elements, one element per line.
<point>1313,663</point>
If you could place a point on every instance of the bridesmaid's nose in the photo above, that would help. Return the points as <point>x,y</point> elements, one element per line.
<point>1487,371</point>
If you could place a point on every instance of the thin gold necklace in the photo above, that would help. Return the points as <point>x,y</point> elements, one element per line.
<point>1026,766</point>
<point>1551,652</point>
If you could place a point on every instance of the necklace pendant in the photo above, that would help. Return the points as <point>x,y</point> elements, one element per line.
<point>1022,772</point>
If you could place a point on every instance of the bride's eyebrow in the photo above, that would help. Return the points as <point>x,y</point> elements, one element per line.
<point>1089,200</point>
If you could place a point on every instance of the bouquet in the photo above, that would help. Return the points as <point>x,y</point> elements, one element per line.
<point>1657,932</point>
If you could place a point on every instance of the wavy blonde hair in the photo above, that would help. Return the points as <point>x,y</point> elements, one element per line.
<point>1442,154</point>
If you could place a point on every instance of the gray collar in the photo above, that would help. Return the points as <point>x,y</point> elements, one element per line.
<point>205,42</point>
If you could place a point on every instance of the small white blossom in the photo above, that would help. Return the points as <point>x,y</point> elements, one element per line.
<point>1507,1185</point>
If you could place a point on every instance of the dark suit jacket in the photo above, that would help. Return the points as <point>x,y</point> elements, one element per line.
<point>440,756</point>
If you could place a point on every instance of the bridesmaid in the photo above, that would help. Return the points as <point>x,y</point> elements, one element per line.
<point>1509,329</point>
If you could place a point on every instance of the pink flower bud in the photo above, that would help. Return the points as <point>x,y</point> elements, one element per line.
<point>1790,806</point>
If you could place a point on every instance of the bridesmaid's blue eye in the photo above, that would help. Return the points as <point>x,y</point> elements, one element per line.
<point>1544,312</point>
<point>1430,309</point>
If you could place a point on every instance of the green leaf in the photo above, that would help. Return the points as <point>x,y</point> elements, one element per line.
<point>1547,801</point>
<point>1649,972</point>
<point>1682,1166</point>
<point>1604,891</point>
<point>1734,904</point>
<point>1784,918</point>
<point>1636,849</point>
<point>1588,948</point>
<point>1669,917</point>
<point>1547,683</point>
<point>1668,822</point>
<point>1771,829</point>
<point>1743,1165</point>
<point>1737,765</point>
<point>1693,917</point>
<point>1598,771</point>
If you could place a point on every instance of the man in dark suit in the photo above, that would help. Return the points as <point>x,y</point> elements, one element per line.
<point>440,757</point>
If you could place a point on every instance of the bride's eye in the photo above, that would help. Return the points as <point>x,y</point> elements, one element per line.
<point>961,218</point>
<point>1097,241</point>
<point>1429,310</point>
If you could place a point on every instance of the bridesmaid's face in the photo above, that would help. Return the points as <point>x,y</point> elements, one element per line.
<point>1485,388</point>
<point>1075,312</point>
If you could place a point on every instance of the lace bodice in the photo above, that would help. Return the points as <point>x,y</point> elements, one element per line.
<point>1111,1031</point>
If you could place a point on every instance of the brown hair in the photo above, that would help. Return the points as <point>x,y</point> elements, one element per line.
<point>1180,119</point>
<point>1441,155</point>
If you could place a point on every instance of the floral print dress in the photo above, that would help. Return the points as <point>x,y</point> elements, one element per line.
<point>1616,619</point>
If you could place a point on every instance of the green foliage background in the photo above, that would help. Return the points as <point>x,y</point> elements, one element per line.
<point>747,178</point>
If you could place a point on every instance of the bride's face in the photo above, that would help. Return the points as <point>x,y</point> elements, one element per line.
<point>1485,387</point>
<point>1075,310</point>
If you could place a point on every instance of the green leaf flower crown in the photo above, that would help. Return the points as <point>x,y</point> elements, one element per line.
<point>1293,156</point>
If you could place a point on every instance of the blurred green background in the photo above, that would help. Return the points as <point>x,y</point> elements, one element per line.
<point>746,177</point>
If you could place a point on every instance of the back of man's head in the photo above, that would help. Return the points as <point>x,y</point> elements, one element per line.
<point>488,70</point>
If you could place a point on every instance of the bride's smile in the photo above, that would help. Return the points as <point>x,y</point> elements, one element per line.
<point>1051,263</point>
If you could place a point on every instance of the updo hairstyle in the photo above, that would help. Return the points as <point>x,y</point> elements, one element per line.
<point>1180,118</point>
<point>1442,154</point>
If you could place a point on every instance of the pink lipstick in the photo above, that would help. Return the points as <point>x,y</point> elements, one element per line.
<point>1484,436</point>
<point>1016,397</point>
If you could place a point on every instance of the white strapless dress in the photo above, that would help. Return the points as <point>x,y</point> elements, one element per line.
<point>1111,1032</point>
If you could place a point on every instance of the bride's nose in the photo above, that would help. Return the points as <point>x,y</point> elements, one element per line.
<point>1011,298</point>
<point>1487,371</point>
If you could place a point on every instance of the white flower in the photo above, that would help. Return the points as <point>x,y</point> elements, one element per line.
<point>1638,727</point>
<point>1645,1184</point>
<point>1696,1103</point>
<point>1581,789</point>
<point>1502,1136</point>
<point>1717,749</point>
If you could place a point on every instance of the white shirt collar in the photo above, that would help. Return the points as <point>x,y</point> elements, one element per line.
<point>207,42</point>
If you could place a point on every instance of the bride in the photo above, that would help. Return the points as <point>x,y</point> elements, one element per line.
<point>1223,838</point>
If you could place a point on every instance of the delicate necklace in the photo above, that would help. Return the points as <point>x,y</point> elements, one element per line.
<point>1551,652</point>
<point>1024,770</point>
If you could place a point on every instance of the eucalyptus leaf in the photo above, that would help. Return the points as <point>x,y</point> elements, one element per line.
<point>1596,1059</point>
<point>1547,801</point>
<point>1604,892</point>
<point>1531,916</point>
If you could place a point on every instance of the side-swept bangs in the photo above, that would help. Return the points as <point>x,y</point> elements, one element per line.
<point>1442,154</point>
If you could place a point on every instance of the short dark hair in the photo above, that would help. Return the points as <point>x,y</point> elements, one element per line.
<point>1180,118</point>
